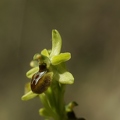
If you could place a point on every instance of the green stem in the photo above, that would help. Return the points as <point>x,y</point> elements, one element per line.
<point>46,104</point>
<point>62,103</point>
<point>58,94</point>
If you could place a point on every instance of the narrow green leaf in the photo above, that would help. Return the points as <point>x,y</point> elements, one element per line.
<point>31,72</point>
<point>66,78</point>
<point>60,58</point>
<point>56,43</point>
<point>28,96</point>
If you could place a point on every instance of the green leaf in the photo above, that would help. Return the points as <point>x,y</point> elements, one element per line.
<point>31,72</point>
<point>28,96</point>
<point>45,53</point>
<point>56,43</point>
<point>60,58</point>
<point>66,78</point>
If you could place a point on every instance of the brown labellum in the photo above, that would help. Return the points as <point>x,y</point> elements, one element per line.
<point>41,80</point>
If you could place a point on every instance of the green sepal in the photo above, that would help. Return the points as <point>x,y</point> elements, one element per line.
<point>32,71</point>
<point>60,58</point>
<point>56,43</point>
<point>66,78</point>
<point>62,75</point>
<point>28,96</point>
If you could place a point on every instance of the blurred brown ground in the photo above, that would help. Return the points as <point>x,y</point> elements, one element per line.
<point>90,31</point>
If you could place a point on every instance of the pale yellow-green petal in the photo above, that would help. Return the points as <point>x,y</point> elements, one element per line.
<point>31,72</point>
<point>28,96</point>
<point>60,58</point>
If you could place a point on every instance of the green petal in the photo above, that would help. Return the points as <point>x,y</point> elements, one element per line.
<point>31,72</point>
<point>45,53</point>
<point>60,58</point>
<point>66,78</point>
<point>28,96</point>
<point>56,43</point>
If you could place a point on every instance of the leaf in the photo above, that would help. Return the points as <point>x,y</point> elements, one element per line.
<point>28,96</point>
<point>60,58</point>
<point>56,43</point>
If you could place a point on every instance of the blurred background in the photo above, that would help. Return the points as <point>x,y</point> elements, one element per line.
<point>90,31</point>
